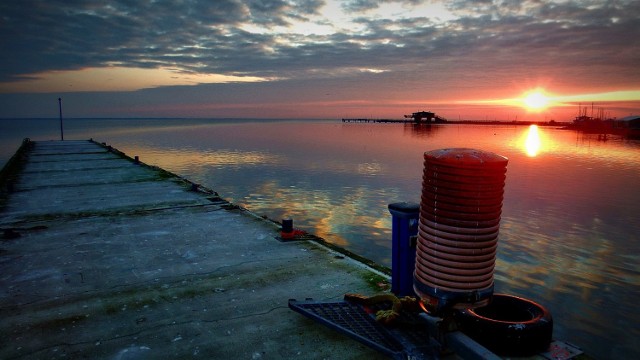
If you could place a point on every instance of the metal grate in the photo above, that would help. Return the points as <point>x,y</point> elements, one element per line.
<point>410,339</point>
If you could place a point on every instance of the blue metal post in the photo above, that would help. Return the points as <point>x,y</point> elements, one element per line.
<point>405,217</point>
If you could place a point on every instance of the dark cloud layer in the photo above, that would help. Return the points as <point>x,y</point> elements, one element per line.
<point>593,41</point>
<point>206,36</point>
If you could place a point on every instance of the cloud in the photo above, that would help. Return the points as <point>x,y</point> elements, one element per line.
<point>115,78</point>
<point>455,46</point>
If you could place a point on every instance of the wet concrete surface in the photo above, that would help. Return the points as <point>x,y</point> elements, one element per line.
<point>105,258</point>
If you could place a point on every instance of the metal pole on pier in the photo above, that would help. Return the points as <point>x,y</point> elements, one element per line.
<point>60,109</point>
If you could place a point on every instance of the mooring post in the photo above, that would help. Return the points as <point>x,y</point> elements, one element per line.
<point>60,110</point>
<point>404,226</point>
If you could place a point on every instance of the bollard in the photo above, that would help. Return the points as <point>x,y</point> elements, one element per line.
<point>287,232</point>
<point>404,228</point>
<point>287,226</point>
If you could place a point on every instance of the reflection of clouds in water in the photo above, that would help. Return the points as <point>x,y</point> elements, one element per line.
<point>583,254</point>
<point>339,166</point>
<point>340,214</point>
<point>182,160</point>
<point>558,263</point>
<point>229,157</point>
<point>370,169</point>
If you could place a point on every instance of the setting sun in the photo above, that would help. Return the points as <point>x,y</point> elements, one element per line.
<point>535,100</point>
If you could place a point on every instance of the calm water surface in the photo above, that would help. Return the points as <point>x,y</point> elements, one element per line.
<point>569,235</point>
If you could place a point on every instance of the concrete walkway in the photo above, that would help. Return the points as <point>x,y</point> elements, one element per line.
<point>101,257</point>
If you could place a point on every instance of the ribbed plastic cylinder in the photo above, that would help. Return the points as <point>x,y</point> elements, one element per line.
<point>460,208</point>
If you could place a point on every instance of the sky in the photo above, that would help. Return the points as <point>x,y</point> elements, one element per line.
<point>462,59</point>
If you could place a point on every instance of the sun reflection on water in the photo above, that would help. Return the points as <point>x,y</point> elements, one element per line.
<point>532,143</point>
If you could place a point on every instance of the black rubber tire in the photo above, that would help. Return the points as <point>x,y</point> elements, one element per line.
<point>509,326</point>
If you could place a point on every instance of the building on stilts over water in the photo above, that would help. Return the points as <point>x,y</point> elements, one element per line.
<point>420,117</point>
<point>425,117</point>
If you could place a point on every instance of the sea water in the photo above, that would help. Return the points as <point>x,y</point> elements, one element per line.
<point>569,235</point>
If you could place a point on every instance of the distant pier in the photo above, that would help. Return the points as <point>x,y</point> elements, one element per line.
<point>459,122</point>
<point>420,117</point>
<point>365,120</point>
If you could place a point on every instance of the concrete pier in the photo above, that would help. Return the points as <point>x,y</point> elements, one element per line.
<point>102,257</point>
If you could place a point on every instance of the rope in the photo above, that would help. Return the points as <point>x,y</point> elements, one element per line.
<point>390,316</point>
